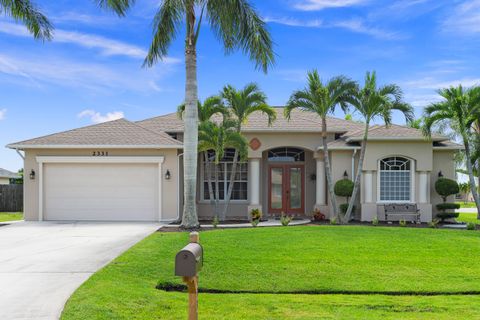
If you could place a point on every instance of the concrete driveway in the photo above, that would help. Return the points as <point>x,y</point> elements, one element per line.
<point>42,263</point>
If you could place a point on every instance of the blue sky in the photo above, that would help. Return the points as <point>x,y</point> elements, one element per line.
<point>91,71</point>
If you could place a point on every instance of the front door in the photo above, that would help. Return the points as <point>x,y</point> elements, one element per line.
<point>286,183</point>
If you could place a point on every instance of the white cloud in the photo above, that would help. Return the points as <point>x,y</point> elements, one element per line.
<point>294,22</point>
<point>465,18</point>
<point>315,5</point>
<point>44,70</point>
<point>3,112</point>
<point>434,83</point>
<point>97,117</point>
<point>353,25</point>
<point>107,47</point>
<point>294,75</point>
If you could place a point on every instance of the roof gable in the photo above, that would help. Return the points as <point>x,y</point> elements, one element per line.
<point>117,133</point>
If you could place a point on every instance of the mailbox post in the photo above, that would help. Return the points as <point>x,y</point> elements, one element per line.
<point>188,262</point>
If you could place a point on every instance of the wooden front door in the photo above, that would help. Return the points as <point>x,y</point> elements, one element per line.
<point>286,184</point>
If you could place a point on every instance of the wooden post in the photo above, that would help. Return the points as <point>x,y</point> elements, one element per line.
<point>192,285</point>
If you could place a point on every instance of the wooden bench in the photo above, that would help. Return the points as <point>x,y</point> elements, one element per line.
<point>402,210</point>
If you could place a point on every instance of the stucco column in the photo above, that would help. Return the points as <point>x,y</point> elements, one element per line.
<point>321,183</point>
<point>368,186</point>
<point>254,178</point>
<point>423,187</point>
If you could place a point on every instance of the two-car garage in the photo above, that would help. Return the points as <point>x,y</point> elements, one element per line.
<point>100,188</point>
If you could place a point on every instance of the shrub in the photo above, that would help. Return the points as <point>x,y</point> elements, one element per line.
<point>344,207</point>
<point>446,187</point>
<point>285,220</point>
<point>215,222</point>
<point>433,224</point>
<point>471,226</point>
<point>448,206</point>
<point>375,221</point>
<point>255,222</point>
<point>333,221</point>
<point>344,188</point>
<point>255,214</point>
<point>402,223</point>
<point>317,215</point>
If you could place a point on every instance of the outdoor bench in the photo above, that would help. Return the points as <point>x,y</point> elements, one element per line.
<point>402,210</point>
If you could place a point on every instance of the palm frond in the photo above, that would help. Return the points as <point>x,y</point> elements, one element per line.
<point>26,12</point>
<point>120,7</point>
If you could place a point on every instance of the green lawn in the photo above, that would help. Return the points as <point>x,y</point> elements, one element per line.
<point>466,205</point>
<point>468,217</point>
<point>10,216</point>
<point>332,259</point>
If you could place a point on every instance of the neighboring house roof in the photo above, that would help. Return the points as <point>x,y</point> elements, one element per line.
<point>300,121</point>
<point>113,134</point>
<point>391,132</point>
<point>4,173</point>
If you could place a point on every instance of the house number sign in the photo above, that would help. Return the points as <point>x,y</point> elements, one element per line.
<point>100,153</point>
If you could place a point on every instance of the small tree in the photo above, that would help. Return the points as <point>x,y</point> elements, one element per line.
<point>344,188</point>
<point>447,187</point>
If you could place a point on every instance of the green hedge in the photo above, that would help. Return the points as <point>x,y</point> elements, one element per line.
<point>344,188</point>
<point>448,206</point>
<point>447,215</point>
<point>446,187</point>
<point>344,207</point>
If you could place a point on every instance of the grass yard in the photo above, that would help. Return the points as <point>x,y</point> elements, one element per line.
<point>468,217</point>
<point>328,259</point>
<point>10,216</point>
<point>466,205</point>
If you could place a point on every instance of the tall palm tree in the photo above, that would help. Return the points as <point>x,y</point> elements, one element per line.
<point>374,102</point>
<point>218,137</point>
<point>28,13</point>
<point>211,106</point>
<point>241,104</point>
<point>322,99</point>
<point>461,108</point>
<point>237,25</point>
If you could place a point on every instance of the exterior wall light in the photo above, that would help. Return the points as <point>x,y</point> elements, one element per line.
<point>168,175</point>
<point>440,174</point>
<point>345,175</point>
<point>32,175</point>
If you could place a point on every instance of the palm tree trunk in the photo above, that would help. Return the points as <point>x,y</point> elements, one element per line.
<point>209,174</point>
<point>190,142</point>
<point>328,171</point>
<point>358,176</point>
<point>231,185</point>
<point>471,177</point>
<point>217,191</point>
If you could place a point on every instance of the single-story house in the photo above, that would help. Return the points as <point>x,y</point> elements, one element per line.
<point>123,170</point>
<point>6,176</point>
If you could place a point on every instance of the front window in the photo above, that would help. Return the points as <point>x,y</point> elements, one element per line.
<point>395,179</point>
<point>224,171</point>
<point>286,155</point>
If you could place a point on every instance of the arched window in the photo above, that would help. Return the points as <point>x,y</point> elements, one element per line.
<point>286,155</point>
<point>395,179</point>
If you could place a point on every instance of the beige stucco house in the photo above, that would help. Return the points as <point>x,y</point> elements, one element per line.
<point>122,170</point>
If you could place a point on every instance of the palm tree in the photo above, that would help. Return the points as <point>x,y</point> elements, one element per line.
<point>237,25</point>
<point>374,102</point>
<point>322,99</point>
<point>461,108</point>
<point>28,13</point>
<point>241,104</point>
<point>218,137</point>
<point>211,106</point>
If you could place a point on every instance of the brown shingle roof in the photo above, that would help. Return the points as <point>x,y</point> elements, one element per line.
<point>299,122</point>
<point>392,132</point>
<point>116,133</point>
<point>4,173</point>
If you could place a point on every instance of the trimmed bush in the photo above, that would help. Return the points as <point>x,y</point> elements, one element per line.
<point>344,188</point>
<point>471,226</point>
<point>344,207</point>
<point>448,206</point>
<point>446,187</point>
<point>447,215</point>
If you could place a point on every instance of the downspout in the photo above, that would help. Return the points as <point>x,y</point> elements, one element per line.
<point>178,186</point>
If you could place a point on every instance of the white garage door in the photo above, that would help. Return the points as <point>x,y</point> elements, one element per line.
<point>101,191</point>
